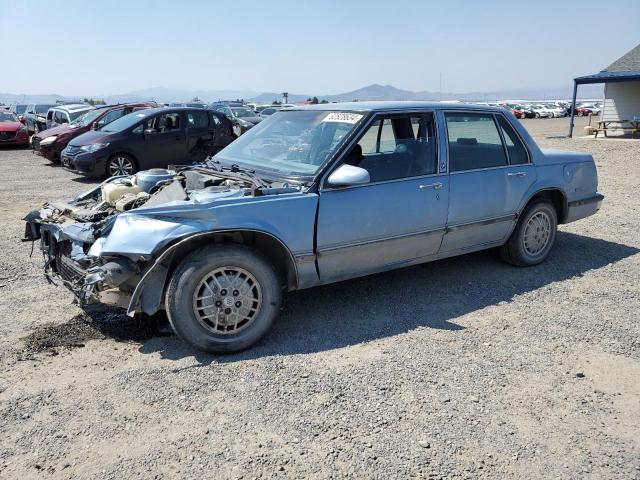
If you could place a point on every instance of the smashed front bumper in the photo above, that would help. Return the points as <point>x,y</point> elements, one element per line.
<point>68,262</point>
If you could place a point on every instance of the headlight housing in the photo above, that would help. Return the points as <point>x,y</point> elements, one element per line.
<point>48,140</point>
<point>93,147</point>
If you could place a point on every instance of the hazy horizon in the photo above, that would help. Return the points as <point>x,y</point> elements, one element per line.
<point>304,47</point>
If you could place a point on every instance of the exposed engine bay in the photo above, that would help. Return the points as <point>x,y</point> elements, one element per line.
<point>89,245</point>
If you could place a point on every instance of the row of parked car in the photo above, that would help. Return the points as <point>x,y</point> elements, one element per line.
<point>550,110</point>
<point>124,138</point>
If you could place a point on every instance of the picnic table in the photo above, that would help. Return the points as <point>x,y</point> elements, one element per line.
<point>605,125</point>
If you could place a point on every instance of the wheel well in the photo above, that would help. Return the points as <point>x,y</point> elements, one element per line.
<point>557,199</point>
<point>269,246</point>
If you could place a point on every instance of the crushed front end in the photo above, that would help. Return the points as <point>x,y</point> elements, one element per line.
<point>69,236</point>
<point>100,244</point>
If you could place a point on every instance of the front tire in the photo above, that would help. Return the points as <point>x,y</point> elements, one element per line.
<point>533,237</point>
<point>121,164</point>
<point>223,298</point>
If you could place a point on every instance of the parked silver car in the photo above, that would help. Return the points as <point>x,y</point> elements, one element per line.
<point>312,196</point>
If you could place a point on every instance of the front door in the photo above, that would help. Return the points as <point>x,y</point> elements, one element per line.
<point>399,217</point>
<point>490,173</point>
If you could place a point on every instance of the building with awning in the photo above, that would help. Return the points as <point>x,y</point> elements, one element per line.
<point>621,82</point>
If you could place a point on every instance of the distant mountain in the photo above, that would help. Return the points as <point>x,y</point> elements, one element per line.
<point>162,94</point>
<point>389,92</point>
<point>11,98</point>
<point>370,92</point>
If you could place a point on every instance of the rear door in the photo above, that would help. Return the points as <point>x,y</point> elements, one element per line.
<point>199,134</point>
<point>489,174</point>
<point>222,131</point>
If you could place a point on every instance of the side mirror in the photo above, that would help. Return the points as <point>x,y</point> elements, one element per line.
<point>348,175</point>
<point>22,120</point>
<point>149,131</point>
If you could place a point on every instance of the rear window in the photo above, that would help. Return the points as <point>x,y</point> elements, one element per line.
<point>515,148</point>
<point>474,142</point>
<point>43,108</point>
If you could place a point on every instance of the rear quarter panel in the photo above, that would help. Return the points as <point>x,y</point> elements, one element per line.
<point>573,173</point>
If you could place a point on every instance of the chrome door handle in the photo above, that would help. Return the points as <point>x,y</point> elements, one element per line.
<point>436,186</point>
<point>517,174</point>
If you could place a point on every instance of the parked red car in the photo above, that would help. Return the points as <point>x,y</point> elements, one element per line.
<point>583,111</point>
<point>517,112</point>
<point>12,131</point>
<point>49,143</point>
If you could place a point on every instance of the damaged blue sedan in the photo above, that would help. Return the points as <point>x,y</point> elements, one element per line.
<point>311,196</point>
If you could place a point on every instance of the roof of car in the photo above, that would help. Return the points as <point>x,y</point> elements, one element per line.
<point>392,105</point>
<point>74,106</point>
<point>153,111</point>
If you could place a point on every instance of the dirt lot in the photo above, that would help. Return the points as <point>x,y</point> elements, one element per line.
<point>464,368</point>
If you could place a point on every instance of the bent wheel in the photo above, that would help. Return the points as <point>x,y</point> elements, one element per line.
<point>223,298</point>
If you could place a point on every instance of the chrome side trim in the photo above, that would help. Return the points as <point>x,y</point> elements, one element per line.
<point>489,221</point>
<point>379,240</point>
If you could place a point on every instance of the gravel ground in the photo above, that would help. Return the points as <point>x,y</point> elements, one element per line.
<point>463,368</point>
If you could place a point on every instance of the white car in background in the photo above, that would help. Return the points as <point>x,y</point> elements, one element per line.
<point>542,111</point>
<point>557,110</point>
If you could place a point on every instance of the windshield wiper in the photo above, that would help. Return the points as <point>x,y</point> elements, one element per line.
<point>236,170</point>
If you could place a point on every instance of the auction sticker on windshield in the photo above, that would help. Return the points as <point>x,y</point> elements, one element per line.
<point>342,117</point>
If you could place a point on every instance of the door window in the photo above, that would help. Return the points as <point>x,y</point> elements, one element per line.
<point>59,117</point>
<point>109,117</point>
<point>167,122</point>
<point>515,149</point>
<point>215,119</point>
<point>197,119</point>
<point>474,142</point>
<point>395,147</point>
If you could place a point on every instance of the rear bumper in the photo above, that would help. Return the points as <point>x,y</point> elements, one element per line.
<point>584,208</point>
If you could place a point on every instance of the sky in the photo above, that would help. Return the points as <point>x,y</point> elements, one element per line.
<point>110,47</point>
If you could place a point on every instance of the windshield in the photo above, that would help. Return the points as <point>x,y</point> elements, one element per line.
<point>291,143</point>
<point>75,115</point>
<point>43,108</point>
<point>123,123</point>
<point>8,117</point>
<point>242,112</point>
<point>20,109</point>
<point>87,118</point>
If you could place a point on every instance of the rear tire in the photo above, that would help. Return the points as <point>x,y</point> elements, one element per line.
<point>223,298</point>
<point>533,237</point>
